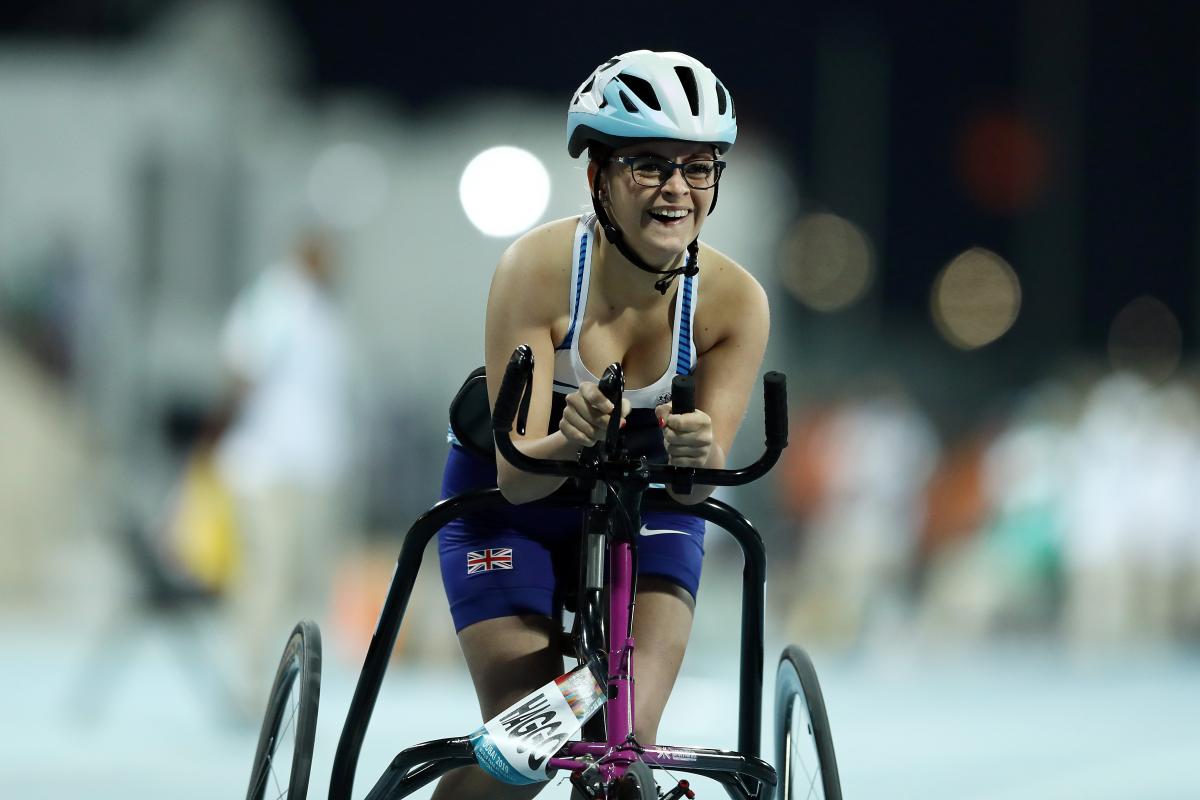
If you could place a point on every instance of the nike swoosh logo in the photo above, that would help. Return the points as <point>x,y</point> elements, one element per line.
<point>659,532</point>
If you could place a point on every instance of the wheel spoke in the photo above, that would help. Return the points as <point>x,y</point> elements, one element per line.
<point>802,722</point>
<point>291,719</point>
<point>289,746</point>
<point>279,791</point>
<point>808,766</point>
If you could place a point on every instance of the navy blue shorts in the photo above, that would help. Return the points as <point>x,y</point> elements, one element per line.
<point>521,559</point>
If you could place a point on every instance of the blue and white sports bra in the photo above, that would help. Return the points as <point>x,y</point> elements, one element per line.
<point>641,434</point>
<point>569,369</point>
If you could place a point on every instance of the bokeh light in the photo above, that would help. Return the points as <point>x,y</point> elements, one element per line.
<point>348,185</point>
<point>826,262</point>
<point>504,190</point>
<point>1145,337</point>
<point>1002,161</point>
<point>975,299</point>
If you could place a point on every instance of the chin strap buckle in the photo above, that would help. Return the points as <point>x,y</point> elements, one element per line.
<point>662,284</point>
<point>689,269</point>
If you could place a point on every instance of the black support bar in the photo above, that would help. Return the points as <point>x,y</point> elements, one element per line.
<point>383,641</point>
<point>754,591</point>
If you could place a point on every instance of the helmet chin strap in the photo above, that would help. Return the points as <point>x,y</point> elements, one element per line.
<point>616,237</point>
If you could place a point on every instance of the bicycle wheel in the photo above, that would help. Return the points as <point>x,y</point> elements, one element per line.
<point>283,758</point>
<point>803,743</point>
<point>636,784</point>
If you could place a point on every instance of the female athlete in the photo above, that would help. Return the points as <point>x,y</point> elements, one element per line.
<point>629,282</point>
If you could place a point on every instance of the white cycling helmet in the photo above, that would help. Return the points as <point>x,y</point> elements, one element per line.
<point>644,96</point>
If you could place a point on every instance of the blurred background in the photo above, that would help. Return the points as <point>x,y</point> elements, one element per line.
<point>977,226</point>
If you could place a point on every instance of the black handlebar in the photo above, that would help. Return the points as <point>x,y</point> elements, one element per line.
<point>775,418</point>
<point>516,389</point>
<point>683,401</point>
<point>612,386</point>
<point>683,394</point>
<point>518,375</point>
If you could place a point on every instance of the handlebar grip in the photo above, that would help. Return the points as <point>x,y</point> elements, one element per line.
<point>775,413</point>
<point>612,386</point>
<point>683,394</point>
<point>612,383</point>
<point>516,375</point>
<point>683,401</point>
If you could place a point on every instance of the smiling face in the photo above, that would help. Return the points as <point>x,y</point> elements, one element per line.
<point>659,222</point>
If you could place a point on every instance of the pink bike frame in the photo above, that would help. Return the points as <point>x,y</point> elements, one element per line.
<point>614,755</point>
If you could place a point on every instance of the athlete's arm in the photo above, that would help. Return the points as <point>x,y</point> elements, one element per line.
<point>736,321</point>
<point>528,293</point>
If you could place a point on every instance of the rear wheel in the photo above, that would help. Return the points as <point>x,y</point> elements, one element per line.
<point>283,758</point>
<point>804,754</point>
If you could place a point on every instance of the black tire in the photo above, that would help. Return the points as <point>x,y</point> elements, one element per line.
<point>636,784</point>
<point>804,758</point>
<point>291,720</point>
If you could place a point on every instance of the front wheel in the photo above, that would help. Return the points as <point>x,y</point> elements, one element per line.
<point>283,758</point>
<point>803,743</point>
<point>636,784</point>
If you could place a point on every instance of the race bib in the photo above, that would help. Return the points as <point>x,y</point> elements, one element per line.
<point>516,745</point>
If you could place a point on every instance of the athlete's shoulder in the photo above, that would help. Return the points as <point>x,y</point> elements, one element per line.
<point>542,252</point>
<point>729,284</point>
<point>533,276</point>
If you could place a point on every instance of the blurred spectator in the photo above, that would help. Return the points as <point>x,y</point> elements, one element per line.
<point>43,302</point>
<point>876,453</point>
<point>1131,526</point>
<point>1167,475</point>
<point>285,452</point>
<point>1099,517</point>
<point>998,563</point>
<point>1080,514</point>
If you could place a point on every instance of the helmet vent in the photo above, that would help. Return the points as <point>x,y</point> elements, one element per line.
<point>629,106</point>
<point>587,87</point>
<point>721,101</point>
<point>642,88</point>
<point>688,79</point>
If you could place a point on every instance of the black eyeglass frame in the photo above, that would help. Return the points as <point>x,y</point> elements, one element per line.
<point>669,167</point>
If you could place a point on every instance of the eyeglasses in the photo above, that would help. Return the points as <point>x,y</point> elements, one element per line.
<point>655,171</point>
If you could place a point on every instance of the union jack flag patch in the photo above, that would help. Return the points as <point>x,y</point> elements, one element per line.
<point>490,559</point>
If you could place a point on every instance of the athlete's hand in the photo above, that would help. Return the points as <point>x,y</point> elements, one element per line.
<point>688,437</point>
<point>586,415</point>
